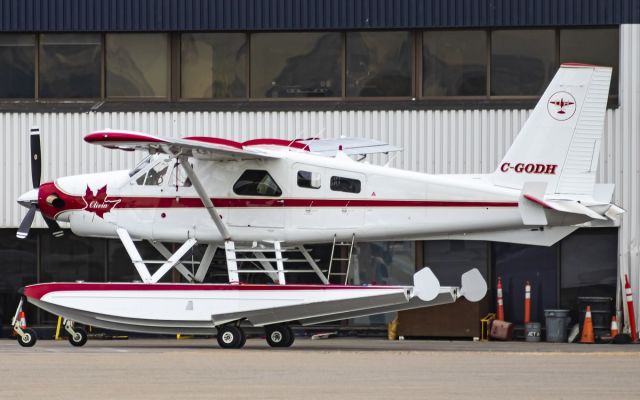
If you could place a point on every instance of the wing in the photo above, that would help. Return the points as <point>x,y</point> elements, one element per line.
<point>202,147</point>
<point>329,147</point>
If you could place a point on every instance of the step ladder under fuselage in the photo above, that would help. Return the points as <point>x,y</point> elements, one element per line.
<point>340,261</point>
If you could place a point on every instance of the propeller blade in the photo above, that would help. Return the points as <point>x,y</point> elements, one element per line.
<point>25,225</point>
<point>36,162</point>
<point>56,231</point>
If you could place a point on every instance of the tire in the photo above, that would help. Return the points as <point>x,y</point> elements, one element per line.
<point>231,337</point>
<point>292,337</point>
<point>29,339</point>
<point>80,338</point>
<point>279,335</point>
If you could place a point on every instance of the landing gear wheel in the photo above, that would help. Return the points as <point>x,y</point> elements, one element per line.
<point>28,339</point>
<point>80,337</point>
<point>279,335</point>
<point>231,337</point>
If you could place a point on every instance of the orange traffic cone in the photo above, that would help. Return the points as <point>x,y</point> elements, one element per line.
<point>500,301</point>
<point>587,328</point>
<point>614,327</point>
<point>23,320</point>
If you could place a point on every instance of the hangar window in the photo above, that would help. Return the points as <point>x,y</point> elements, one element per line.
<point>213,65</point>
<point>254,182</point>
<point>301,64</point>
<point>70,65</point>
<point>592,46</point>
<point>17,66</point>
<point>342,184</point>
<point>308,179</point>
<point>454,63</point>
<point>137,65</point>
<point>522,61</point>
<point>378,63</point>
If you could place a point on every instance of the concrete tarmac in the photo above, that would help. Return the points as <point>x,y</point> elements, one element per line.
<point>338,368</point>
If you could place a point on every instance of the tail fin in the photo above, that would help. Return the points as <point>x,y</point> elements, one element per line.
<point>560,142</point>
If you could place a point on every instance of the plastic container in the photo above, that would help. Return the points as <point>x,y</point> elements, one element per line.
<point>600,314</point>
<point>556,322</point>
<point>533,331</point>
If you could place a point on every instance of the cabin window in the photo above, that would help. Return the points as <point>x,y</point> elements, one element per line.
<point>342,184</point>
<point>308,179</point>
<point>255,182</point>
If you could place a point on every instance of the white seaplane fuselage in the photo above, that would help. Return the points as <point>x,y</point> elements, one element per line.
<point>392,204</point>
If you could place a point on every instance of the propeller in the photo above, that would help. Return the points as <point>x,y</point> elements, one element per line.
<point>30,199</point>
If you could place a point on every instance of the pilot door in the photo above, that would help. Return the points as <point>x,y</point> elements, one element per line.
<point>154,200</point>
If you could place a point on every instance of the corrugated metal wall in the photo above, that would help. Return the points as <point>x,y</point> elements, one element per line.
<point>196,15</point>
<point>471,141</point>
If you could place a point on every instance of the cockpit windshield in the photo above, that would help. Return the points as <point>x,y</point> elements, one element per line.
<point>145,161</point>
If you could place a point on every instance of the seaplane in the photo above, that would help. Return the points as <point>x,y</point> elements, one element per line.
<point>258,200</point>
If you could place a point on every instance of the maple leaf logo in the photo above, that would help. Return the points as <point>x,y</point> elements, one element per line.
<point>98,203</point>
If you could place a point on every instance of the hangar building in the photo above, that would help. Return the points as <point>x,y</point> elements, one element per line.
<point>450,81</point>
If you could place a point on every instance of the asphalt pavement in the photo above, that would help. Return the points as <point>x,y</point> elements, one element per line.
<point>337,368</point>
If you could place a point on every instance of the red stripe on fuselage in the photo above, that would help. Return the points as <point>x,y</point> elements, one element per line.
<point>39,290</point>
<point>75,202</point>
<point>194,202</point>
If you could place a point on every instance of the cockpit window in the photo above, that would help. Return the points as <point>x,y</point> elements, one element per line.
<point>255,182</point>
<point>155,176</point>
<point>143,163</point>
<point>178,176</point>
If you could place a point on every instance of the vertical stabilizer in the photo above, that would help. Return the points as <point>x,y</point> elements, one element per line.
<point>560,142</point>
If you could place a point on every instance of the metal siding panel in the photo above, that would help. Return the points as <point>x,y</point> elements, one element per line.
<point>157,15</point>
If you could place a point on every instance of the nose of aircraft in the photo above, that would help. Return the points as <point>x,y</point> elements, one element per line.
<point>28,198</point>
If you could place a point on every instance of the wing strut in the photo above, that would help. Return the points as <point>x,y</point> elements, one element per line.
<point>204,197</point>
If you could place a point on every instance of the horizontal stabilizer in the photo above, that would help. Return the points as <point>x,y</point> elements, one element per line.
<point>575,207</point>
<point>614,212</point>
